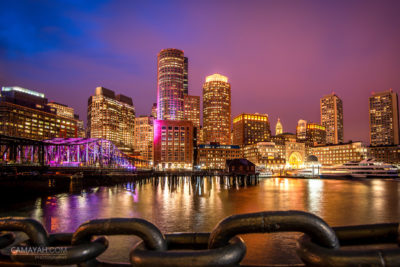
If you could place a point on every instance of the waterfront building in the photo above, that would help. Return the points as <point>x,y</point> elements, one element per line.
<point>192,110</point>
<point>144,137</point>
<point>154,111</point>
<point>170,84</point>
<point>251,129</point>
<point>26,113</point>
<point>264,154</point>
<point>315,134</point>
<point>280,141</point>
<point>217,110</point>
<point>332,118</point>
<point>387,154</point>
<point>111,117</point>
<point>301,130</point>
<point>384,118</point>
<point>240,167</point>
<point>339,153</point>
<point>214,156</point>
<point>278,127</point>
<point>295,154</point>
<point>185,76</point>
<point>173,144</point>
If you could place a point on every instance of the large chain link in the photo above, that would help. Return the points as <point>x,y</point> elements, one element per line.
<point>321,245</point>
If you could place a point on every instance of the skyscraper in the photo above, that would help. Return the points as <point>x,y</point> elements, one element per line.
<point>217,110</point>
<point>332,118</point>
<point>251,129</point>
<point>111,117</point>
<point>192,110</point>
<point>301,130</point>
<point>170,84</point>
<point>278,127</point>
<point>186,76</point>
<point>384,118</point>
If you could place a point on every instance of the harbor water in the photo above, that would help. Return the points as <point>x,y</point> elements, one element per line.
<point>184,204</point>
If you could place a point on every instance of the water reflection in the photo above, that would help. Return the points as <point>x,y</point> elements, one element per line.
<point>195,204</point>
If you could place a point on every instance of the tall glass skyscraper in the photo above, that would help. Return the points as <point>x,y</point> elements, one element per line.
<point>384,118</point>
<point>170,84</point>
<point>217,110</point>
<point>332,118</point>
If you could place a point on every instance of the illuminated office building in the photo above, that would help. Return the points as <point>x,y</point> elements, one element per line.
<point>339,154</point>
<point>173,144</point>
<point>26,113</point>
<point>144,137</point>
<point>192,110</point>
<point>154,111</point>
<point>62,110</point>
<point>301,130</point>
<point>217,110</point>
<point>316,134</point>
<point>214,156</point>
<point>332,118</point>
<point>68,112</point>
<point>384,118</point>
<point>112,117</point>
<point>250,129</point>
<point>170,84</point>
<point>185,76</point>
<point>278,127</point>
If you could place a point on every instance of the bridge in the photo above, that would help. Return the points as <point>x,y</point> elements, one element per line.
<point>63,153</point>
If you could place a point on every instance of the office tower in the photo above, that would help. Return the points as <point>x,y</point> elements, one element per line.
<point>192,110</point>
<point>301,130</point>
<point>316,134</point>
<point>26,113</point>
<point>251,129</point>
<point>332,118</point>
<point>170,80</point>
<point>384,118</point>
<point>154,111</point>
<point>111,117</point>
<point>216,110</point>
<point>173,144</point>
<point>144,137</point>
<point>278,127</point>
<point>186,76</point>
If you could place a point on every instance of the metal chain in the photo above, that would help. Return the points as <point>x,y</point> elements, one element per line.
<point>321,245</point>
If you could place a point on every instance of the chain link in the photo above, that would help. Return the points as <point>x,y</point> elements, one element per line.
<point>321,245</point>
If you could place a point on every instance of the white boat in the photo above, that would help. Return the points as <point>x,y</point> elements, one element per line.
<point>367,168</point>
<point>265,174</point>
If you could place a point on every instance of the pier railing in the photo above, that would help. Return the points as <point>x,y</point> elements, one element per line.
<point>321,245</point>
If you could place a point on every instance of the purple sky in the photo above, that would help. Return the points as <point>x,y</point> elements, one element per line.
<point>280,57</point>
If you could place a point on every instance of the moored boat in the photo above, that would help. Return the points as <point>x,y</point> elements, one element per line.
<point>367,168</point>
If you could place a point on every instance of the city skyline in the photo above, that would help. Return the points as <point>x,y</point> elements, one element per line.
<point>283,75</point>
